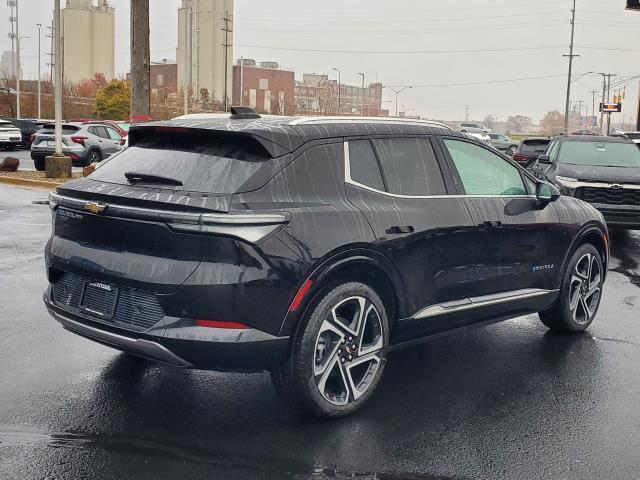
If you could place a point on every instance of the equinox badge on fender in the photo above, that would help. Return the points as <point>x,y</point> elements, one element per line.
<point>95,207</point>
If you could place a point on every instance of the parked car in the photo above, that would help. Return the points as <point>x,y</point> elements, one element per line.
<point>503,143</point>
<point>604,171</point>
<point>529,150</point>
<point>85,143</point>
<point>10,136</point>
<point>27,128</point>
<point>310,247</point>
<point>483,137</point>
<point>474,128</point>
<point>121,127</point>
<point>633,136</point>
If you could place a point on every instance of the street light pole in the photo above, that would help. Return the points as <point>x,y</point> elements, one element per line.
<point>17,62</point>
<point>398,92</point>
<point>363,96</point>
<point>39,77</point>
<point>58,81</point>
<point>339,89</point>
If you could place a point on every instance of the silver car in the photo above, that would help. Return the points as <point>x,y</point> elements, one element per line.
<point>85,143</point>
<point>504,143</point>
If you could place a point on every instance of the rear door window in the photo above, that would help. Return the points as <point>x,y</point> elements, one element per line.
<point>364,168</point>
<point>533,146</point>
<point>410,166</point>
<point>113,134</point>
<point>201,160</point>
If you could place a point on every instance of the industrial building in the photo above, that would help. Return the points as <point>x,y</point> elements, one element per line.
<point>265,87</point>
<point>205,47</point>
<point>88,39</point>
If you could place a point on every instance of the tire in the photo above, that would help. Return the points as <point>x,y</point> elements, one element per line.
<point>93,157</point>
<point>40,164</point>
<point>324,374</point>
<point>580,294</point>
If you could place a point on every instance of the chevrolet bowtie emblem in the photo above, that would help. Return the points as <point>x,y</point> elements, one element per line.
<point>95,207</point>
<point>616,186</point>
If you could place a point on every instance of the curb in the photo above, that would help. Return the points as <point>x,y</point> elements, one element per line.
<point>25,182</point>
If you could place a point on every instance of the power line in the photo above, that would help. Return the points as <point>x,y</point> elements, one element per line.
<point>399,52</point>
<point>485,82</point>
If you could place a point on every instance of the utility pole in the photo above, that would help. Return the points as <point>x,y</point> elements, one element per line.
<point>50,64</point>
<point>571,55</point>
<point>39,25</point>
<point>593,105</point>
<point>339,89</point>
<point>609,75</point>
<point>363,96</point>
<point>227,30</point>
<point>58,80</point>
<point>186,81</point>
<point>466,113</point>
<point>12,18</point>
<point>140,61</point>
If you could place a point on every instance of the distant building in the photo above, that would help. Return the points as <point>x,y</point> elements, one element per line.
<point>208,21</point>
<point>316,94</point>
<point>164,76</point>
<point>265,87</point>
<point>89,39</point>
<point>6,63</point>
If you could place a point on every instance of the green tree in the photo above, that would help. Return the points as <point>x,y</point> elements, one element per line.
<point>114,100</point>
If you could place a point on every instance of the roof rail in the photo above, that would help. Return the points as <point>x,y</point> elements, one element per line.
<point>387,120</point>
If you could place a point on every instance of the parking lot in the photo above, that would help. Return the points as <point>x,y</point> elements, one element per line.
<point>506,401</point>
<point>26,163</point>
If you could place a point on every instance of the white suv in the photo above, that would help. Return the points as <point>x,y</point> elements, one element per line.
<point>10,136</point>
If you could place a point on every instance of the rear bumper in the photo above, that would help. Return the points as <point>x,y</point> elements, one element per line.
<point>77,157</point>
<point>620,216</point>
<point>179,343</point>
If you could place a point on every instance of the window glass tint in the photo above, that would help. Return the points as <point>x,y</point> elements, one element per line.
<point>410,166</point>
<point>202,162</point>
<point>534,146</point>
<point>364,166</point>
<point>600,153</point>
<point>101,131</point>
<point>483,172</point>
<point>113,134</point>
<point>66,130</point>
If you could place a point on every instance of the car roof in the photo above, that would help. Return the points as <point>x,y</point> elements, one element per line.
<point>281,135</point>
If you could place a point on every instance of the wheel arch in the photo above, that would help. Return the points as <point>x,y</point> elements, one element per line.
<point>367,266</point>
<point>594,235</point>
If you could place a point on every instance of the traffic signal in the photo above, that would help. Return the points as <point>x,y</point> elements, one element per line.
<point>633,4</point>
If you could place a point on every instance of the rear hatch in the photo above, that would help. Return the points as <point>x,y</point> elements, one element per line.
<point>9,132</point>
<point>135,221</point>
<point>45,137</point>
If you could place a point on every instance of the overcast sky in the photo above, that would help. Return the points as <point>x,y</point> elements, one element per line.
<point>485,41</point>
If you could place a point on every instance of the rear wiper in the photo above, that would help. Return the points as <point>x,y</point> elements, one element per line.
<point>151,178</point>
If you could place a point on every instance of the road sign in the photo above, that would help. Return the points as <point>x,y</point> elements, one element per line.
<point>633,4</point>
<point>611,107</point>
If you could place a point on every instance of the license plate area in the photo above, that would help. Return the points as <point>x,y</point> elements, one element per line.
<point>99,299</point>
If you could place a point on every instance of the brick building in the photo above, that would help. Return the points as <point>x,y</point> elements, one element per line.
<point>316,94</point>
<point>164,76</point>
<point>265,87</point>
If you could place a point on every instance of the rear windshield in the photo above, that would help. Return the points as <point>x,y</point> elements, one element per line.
<point>600,154</point>
<point>633,136</point>
<point>534,146</point>
<point>7,125</point>
<point>66,130</point>
<point>200,161</point>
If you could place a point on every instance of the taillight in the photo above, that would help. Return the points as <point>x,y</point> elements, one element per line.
<point>79,140</point>
<point>519,157</point>
<point>123,141</point>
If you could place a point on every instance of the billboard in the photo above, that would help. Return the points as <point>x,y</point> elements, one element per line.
<point>610,107</point>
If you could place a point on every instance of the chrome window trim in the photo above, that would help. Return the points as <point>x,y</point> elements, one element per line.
<point>478,302</point>
<point>349,180</point>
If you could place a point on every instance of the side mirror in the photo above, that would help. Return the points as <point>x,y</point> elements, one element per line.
<point>545,159</point>
<point>546,192</point>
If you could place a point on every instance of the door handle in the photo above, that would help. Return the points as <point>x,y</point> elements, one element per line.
<point>491,224</point>
<point>399,229</point>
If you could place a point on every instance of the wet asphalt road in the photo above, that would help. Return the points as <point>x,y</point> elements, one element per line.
<point>507,401</point>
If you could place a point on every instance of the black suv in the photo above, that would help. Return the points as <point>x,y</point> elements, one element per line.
<point>604,171</point>
<point>311,247</point>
